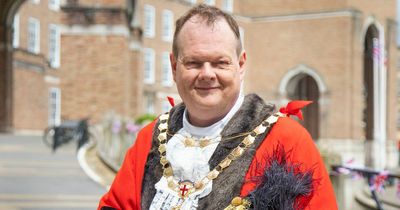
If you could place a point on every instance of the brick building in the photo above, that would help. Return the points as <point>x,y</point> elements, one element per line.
<point>113,55</point>
<point>36,63</point>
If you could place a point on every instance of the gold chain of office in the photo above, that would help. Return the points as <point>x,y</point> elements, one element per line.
<point>185,188</point>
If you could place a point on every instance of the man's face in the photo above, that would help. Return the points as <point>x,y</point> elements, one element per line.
<point>208,71</point>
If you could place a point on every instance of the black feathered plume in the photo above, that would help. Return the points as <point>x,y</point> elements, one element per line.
<point>283,186</point>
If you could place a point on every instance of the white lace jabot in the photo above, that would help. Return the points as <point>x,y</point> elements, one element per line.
<point>190,163</point>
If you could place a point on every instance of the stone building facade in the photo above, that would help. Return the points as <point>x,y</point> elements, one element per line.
<point>114,56</point>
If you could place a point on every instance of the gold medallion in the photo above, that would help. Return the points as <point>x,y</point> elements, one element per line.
<point>189,142</point>
<point>204,143</point>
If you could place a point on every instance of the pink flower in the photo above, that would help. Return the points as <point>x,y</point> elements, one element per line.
<point>116,127</point>
<point>132,128</point>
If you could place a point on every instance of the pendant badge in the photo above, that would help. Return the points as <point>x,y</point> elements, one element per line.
<point>185,188</point>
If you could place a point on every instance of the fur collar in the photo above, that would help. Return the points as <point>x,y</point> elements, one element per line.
<point>228,184</point>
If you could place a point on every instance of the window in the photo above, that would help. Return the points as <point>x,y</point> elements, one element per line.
<point>54,4</point>
<point>35,1</point>
<point>33,35</point>
<point>54,46</point>
<point>15,41</point>
<point>167,25</point>
<point>191,1</point>
<point>241,31</point>
<point>54,106</point>
<point>148,66</point>
<point>227,5</point>
<point>166,70</point>
<point>149,103</point>
<point>149,21</point>
<point>209,2</point>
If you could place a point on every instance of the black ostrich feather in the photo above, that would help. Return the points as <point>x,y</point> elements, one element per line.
<point>283,186</point>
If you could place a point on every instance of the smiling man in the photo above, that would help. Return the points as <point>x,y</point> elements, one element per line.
<point>219,149</point>
<point>208,68</point>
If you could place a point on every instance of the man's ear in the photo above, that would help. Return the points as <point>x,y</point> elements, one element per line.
<point>242,62</point>
<point>173,62</point>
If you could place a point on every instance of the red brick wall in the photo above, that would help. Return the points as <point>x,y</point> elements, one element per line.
<point>279,7</point>
<point>30,95</point>
<point>94,75</point>
<point>103,3</point>
<point>135,87</point>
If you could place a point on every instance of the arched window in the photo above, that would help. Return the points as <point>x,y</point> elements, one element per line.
<point>374,92</point>
<point>304,87</point>
<point>371,57</point>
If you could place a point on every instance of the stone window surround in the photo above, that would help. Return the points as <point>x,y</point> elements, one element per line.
<point>54,46</point>
<point>167,25</point>
<point>15,41</point>
<point>149,21</point>
<point>227,5</point>
<point>166,71</point>
<point>148,66</point>
<point>54,5</point>
<point>54,108</point>
<point>209,2</point>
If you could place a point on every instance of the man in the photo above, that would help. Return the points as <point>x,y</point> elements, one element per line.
<point>218,149</point>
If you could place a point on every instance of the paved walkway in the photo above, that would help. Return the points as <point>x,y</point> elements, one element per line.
<point>33,178</point>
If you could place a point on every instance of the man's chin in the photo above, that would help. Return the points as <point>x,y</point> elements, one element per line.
<point>208,104</point>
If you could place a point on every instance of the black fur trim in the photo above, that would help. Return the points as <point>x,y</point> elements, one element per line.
<point>283,186</point>
<point>107,208</point>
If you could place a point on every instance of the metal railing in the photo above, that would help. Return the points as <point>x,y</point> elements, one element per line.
<point>372,176</point>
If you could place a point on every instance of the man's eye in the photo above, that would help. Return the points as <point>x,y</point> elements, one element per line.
<point>222,64</point>
<point>193,64</point>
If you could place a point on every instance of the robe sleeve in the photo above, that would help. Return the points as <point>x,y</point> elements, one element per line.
<point>300,150</point>
<point>125,191</point>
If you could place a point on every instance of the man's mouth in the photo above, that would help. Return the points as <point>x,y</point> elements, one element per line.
<point>206,88</point>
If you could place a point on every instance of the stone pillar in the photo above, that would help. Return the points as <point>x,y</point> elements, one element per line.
<point>5,79</point>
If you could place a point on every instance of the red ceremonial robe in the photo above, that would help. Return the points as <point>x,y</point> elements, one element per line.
<point>125,192</point>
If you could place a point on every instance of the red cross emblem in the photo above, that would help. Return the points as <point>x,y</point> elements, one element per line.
<point>185,188</point>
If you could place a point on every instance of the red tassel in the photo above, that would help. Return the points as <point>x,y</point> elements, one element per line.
<point>171,101</point>
<point>294,108</point>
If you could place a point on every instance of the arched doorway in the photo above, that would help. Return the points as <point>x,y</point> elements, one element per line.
<point>305,87</point>
<point>8,8</point>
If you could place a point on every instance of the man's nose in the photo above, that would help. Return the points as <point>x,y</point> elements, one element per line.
<point>207,72</point>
